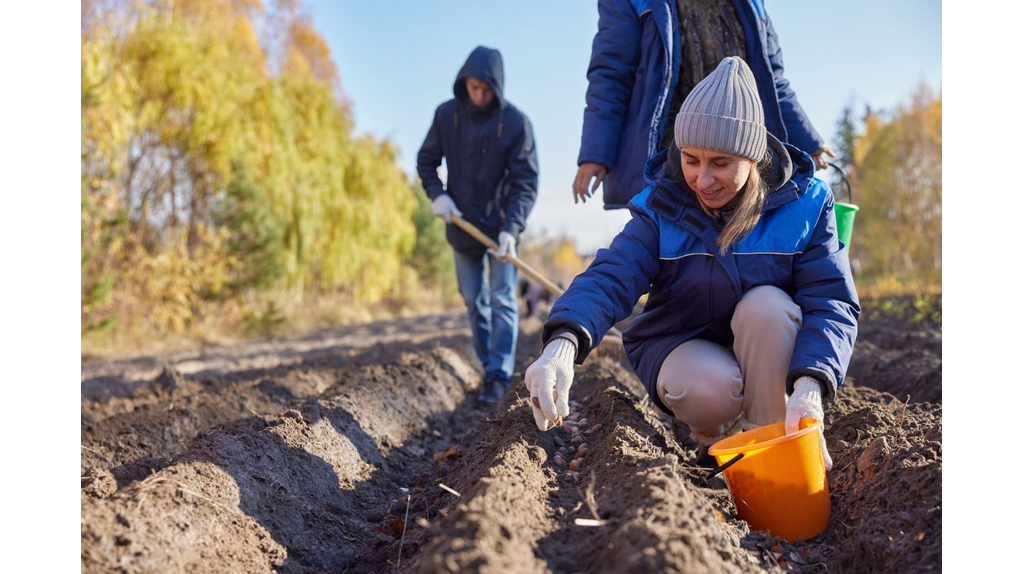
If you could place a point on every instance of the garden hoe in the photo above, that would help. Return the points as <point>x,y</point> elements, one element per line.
<point>527,270</point>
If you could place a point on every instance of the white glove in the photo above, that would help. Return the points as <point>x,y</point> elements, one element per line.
<point>506,245</point>
<point>805,402</point>
<point>444,208</point>
<point>548,379</point>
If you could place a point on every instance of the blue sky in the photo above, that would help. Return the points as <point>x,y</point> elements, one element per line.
<point>398,59</point>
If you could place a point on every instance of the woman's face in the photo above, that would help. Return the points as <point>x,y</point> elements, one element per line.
<point>715,176</point>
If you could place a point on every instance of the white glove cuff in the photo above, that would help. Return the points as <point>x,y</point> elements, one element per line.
<point>562,349</point>
<point>806,387</point>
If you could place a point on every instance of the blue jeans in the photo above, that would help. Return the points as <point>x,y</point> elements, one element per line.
<point>490,295</point>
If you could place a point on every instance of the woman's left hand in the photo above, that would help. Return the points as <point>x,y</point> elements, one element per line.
<point>805,402</point>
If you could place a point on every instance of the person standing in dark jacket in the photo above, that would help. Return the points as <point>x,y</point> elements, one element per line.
<point>751,299</point>
<point>646,57</point>
<point>491,158</point>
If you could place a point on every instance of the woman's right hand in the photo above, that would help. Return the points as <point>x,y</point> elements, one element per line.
<point>548,379</point>
<point>587,171</point>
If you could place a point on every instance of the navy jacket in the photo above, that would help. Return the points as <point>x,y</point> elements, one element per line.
<point>668,250</point>
<point>490,155</point>
<point>634,65</point>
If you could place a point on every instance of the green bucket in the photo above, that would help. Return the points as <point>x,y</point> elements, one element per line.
<point>845,212</point>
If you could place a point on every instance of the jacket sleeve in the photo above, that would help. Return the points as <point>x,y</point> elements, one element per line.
<point>614,59</point>
<point>799,130</point>
<point>828,299</point>
<point>522,165</point>
<point>608,290</point>
<point>429,158</point>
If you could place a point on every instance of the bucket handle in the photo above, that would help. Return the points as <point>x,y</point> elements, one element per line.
<point>718,470</point>
<point>842,174</point>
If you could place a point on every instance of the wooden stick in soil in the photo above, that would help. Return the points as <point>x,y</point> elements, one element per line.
<point>405,526</point>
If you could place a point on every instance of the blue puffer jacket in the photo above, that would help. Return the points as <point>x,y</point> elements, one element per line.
<point>634,65</point>
<point>668,249</point>
<point>490,154</point>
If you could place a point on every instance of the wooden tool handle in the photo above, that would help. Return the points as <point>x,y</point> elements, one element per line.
<point>519,263</point>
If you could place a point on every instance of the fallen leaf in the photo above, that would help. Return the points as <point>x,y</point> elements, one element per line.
<point>920,536</point>
<point>398,526</point>
<point>719,516</point>
<point>453,452</point>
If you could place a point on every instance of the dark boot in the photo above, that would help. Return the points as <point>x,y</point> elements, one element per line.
<point>493,391</point>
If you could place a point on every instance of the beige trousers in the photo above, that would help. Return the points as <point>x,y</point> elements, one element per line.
<point>709,387</point>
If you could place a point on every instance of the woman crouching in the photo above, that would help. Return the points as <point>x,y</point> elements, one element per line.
<point>752,312</point>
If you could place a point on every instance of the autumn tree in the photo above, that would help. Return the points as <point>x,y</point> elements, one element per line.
<point>218,158</point>
<point>897,175</point>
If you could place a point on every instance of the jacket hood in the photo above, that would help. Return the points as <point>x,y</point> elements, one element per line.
<point>791,171</point>
<point>484,63</point>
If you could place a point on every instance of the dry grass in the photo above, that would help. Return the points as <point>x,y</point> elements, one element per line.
<point>257,317</point>
<point>884,287</point>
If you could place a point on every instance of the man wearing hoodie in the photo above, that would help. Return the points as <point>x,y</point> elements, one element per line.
<point>491,158</point>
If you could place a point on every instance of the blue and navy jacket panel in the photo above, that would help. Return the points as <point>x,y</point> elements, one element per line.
<point>668,250</point>
<point>634,65</point>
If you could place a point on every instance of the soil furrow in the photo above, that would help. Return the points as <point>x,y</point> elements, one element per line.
<point>286,493</point>
<point>336,464</point>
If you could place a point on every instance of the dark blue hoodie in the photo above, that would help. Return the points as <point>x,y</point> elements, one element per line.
<point>490,154</point>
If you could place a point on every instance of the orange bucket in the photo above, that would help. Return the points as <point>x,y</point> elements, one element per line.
<point>779,483</point>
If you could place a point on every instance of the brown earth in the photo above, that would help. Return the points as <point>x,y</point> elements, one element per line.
<point>328,452</point>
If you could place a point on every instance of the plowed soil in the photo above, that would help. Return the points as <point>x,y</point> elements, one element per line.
<point>363,449</point>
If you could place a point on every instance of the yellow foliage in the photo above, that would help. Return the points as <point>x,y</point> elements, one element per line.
<point>897,178</point>
<point>179,106</point>
<point>567,260</point>
<point>554,256</point>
